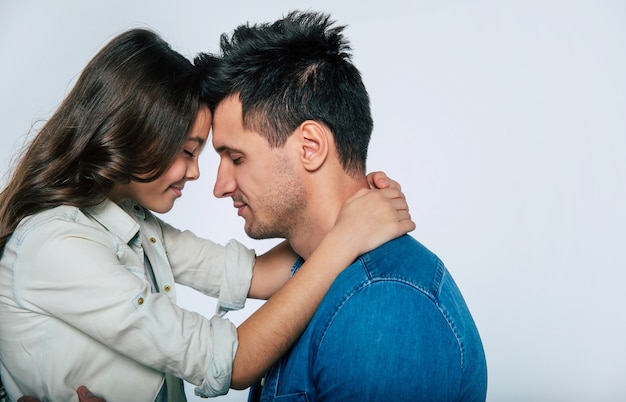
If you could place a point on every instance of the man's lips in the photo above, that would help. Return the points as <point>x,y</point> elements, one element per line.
<point>240,206</point>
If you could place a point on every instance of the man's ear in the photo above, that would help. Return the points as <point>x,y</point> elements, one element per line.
<point>315,144</point>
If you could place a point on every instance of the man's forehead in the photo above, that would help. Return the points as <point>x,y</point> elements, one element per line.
<point>227,118</point>
<point>230,104</point>
<point>229,134</point>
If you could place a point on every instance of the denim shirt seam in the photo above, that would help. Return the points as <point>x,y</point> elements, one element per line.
<point>371,280</point>
<point>448,318</point>
<point>431,293</point>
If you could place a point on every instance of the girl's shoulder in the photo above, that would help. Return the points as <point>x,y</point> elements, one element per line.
<point>67,220</point>
<point>64,213</point>
<point>44,228</point>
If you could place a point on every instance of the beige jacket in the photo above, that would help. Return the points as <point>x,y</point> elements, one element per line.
<point>76,305</point>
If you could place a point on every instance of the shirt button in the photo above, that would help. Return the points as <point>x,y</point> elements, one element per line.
<point>167,288</point>
<point>140,301</point>
<point>152,240</point>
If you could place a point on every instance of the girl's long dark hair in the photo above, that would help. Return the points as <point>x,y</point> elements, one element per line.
<point>126,118</point>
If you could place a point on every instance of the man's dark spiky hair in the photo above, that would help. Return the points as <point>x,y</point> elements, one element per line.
<point>294,69</point>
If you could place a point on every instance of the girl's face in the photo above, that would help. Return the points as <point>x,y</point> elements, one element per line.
<point>159,195</point>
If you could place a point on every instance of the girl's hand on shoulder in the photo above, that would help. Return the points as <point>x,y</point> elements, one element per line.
<point>373,217</point>
<point>380,180</point>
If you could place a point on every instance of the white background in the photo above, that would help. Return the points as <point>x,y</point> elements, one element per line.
<point>505,122</point>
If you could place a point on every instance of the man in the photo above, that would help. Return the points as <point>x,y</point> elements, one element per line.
<point>84,395</point>
<point>291,127</point>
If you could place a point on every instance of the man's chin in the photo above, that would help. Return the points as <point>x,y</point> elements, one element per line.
<point>251,233</point>
<point>254,235</point>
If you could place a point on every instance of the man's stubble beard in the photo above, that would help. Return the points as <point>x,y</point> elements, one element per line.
<point>282,210</point>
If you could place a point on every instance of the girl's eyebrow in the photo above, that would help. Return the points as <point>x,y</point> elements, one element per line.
<point>199,140</point>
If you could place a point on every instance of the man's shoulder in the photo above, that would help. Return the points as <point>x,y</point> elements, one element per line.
<point>403,257</point>
<point>406,246</point>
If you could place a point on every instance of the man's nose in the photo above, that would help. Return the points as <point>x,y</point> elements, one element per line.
<point>224,182</point>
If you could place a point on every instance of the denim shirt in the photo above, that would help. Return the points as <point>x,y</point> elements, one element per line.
<point>393,327</point>
<point>77,307</point>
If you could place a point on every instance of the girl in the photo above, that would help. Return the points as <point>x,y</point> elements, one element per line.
<point>87,272</point>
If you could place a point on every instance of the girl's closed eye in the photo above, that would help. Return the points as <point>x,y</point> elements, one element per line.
<point>194,147</point>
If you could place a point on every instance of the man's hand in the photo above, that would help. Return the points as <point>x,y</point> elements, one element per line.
<point>84,395</point>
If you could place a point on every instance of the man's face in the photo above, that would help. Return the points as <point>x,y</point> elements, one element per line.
<point>262,181</point>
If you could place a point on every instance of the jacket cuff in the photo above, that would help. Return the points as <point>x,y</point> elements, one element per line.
<point>236,277</point>
<point>218,374</point>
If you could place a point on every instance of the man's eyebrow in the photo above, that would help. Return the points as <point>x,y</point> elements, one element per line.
<point>225,148</point>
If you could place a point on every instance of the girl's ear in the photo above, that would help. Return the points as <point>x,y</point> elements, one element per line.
<point>315,144</point>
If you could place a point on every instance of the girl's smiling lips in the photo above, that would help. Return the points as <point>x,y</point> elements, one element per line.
<point>177,190</point>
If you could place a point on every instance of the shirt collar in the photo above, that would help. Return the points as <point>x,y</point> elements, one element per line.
<point>116,218</point>
<point>296,265</point>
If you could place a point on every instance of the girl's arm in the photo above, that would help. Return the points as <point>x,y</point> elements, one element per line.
<point>272,329</point>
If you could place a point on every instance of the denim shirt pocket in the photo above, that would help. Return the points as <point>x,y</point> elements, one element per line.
<point>270,391</point>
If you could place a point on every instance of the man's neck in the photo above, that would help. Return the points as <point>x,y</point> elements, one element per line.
<point>324,205</point>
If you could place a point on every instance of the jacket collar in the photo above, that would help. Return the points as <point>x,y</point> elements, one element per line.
<point>118,219</point>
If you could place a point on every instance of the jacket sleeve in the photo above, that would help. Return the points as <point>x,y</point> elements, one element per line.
<point>220,271</point>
